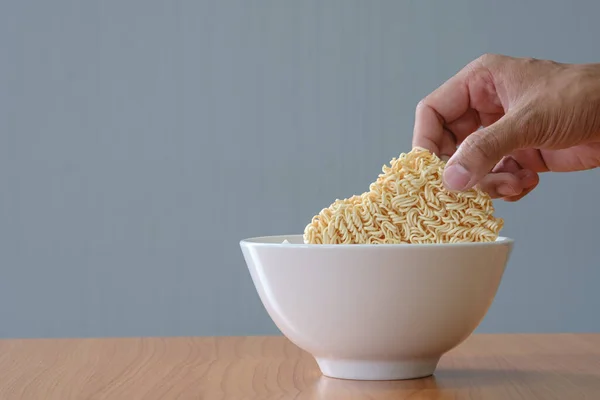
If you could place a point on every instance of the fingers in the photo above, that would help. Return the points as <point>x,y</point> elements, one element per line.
<point>479,153</point>
<point>501,184</point>
<point>510,186</point>
<point>446,104</point>
<point>462,104</point>
<point>529,180</point>
<point>509,180</point>
<point>452,115</point>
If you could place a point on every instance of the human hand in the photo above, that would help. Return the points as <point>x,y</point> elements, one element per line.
<point>512,118</point>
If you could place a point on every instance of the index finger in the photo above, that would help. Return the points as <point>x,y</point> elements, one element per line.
<point>444,105</point>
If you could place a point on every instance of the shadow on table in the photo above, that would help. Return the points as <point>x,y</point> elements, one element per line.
<point>465,377</point>
<point>448,381</point>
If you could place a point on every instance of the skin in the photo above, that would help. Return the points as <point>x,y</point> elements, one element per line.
<point>501,121</point>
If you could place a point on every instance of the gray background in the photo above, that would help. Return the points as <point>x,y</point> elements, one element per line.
<point>141,140</point>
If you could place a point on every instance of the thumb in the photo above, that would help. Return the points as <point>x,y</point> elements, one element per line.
<point>479,153</point>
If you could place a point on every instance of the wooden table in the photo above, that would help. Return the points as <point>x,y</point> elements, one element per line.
<point>565,367</point>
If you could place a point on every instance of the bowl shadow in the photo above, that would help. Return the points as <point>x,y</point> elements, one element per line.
<point>450,381</point>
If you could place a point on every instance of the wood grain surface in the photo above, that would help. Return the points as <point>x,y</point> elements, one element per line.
<point>489,367</point>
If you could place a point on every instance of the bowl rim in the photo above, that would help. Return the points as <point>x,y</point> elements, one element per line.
<point>269,241</point>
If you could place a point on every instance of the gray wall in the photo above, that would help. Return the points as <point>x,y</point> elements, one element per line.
<point>141,140</point>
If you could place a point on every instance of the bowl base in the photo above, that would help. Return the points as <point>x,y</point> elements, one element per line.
<point>369,370</point>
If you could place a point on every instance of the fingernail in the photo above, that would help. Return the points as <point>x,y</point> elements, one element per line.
<point>456,177</point>
<point>507,190</point>
<point>527,178</point>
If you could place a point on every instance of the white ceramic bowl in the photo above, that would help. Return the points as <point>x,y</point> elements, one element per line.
<point>376,312</point>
